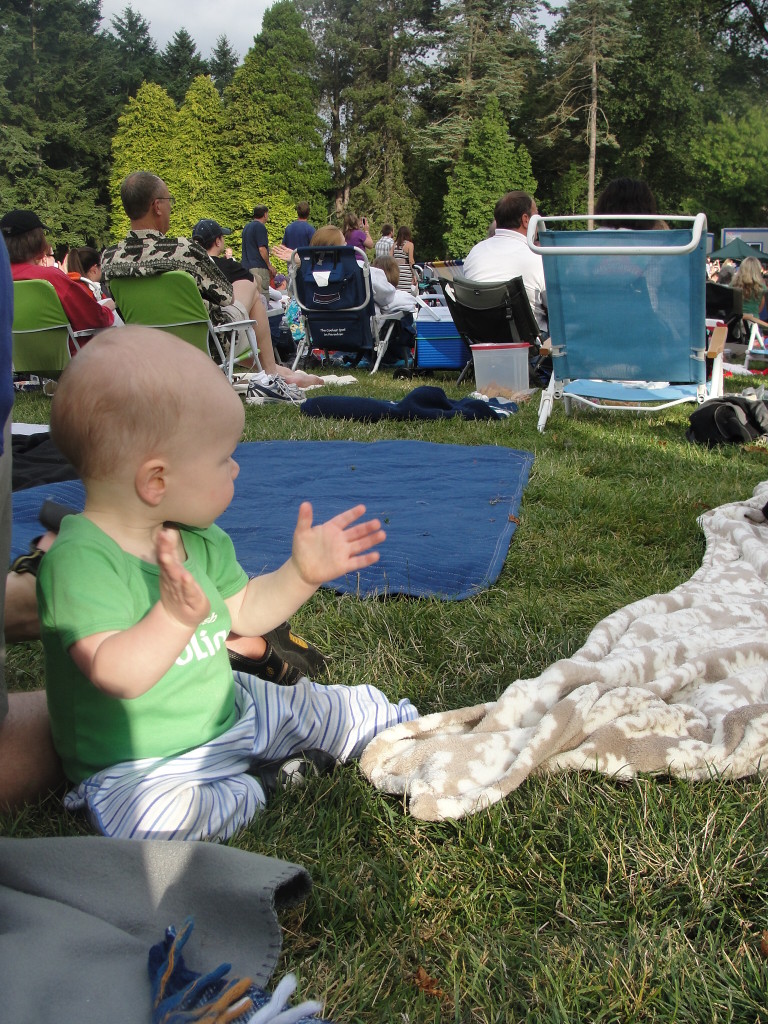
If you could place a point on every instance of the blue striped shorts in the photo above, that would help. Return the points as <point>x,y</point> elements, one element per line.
<point>207,793</point>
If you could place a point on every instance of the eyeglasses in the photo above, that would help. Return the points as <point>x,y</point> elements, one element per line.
<point>165,199</point>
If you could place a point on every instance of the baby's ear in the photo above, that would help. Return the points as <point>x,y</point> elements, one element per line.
<point>150,481</point>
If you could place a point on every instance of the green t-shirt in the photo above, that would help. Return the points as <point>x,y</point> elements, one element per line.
<point>87,584</point>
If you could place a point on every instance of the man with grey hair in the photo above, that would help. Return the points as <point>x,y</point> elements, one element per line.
<point>147,249</point>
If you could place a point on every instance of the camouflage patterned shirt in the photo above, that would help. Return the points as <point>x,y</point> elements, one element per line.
<point>144,252</point>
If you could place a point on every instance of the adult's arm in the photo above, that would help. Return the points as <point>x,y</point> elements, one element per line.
<point>264,253</point>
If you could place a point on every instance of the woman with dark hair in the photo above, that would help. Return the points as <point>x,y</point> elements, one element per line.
<point>84,265</point>
<point>628,195</point>
<point>403,254</point>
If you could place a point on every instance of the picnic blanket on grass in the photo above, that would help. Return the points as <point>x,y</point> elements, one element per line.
<point>674,684</point>
<point>449,510</point>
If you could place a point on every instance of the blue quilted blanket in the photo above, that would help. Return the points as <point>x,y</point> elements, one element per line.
<point>449,510</point>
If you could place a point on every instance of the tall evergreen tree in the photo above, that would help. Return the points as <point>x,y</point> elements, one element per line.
<point>490,165</point>
<point>180,63</point>
<point>56,112</point>
<point>197,176</point>
<point>222,63</point>
<point>137,56</point>
<point>328,22</point>
<point>486,48</point>
<point>389,38</point>
<point>369,70</point>
<point>275,145</point>
<point>676,64</point>
<point>587,48</point>
<point>144,141</point>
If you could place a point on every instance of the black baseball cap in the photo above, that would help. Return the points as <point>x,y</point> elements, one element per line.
<point>207,231</point>
<point>18,222</point>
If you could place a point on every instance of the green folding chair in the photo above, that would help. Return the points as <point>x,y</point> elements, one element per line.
<point>171,302</point>
<point>42,334</point>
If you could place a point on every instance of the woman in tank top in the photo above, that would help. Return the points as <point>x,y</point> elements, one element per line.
<point>403,254</point>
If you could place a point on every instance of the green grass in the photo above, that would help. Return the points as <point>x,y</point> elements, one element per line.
<point>578,899</point>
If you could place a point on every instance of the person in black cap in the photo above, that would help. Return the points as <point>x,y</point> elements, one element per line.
<point>210,235</point>
<point>28,249</point>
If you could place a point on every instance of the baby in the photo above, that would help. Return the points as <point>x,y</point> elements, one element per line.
<point>400,302</point>
<point>138,594</point>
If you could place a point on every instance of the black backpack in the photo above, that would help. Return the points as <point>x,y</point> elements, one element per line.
<point>732,419</point>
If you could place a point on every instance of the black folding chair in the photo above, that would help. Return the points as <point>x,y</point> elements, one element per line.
<point>494,313</point>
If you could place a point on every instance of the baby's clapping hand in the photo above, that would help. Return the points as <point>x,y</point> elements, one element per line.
<point>324,552</point>
<point>180,594</point>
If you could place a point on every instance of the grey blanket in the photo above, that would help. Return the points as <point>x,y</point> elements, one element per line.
<point>676,683</point>
<point>79,915</point>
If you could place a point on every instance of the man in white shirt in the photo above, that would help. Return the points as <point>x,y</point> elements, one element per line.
<point>506,254</point>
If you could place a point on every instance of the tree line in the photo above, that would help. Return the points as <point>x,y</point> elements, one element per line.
<point>418,112</point>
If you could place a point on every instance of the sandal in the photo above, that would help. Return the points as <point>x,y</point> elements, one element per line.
<point>50,516</point>
<point>287,659</point>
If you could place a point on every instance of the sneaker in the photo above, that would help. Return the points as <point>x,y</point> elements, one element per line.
<point>294,770</point>
<point>263,388</point>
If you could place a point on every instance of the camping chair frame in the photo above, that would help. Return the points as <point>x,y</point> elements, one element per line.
<point>43,338</point>
<point>171,302</point>
<point>327,318</point>
<point>756,347</point>
<point>607,361</point>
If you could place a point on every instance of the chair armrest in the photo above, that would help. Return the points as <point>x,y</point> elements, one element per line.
<point>231,325</point>
<point>717,342</point>
<point>396,314</point>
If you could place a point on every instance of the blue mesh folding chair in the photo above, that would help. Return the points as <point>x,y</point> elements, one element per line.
<point>332,285</point>
<point>627,316</point>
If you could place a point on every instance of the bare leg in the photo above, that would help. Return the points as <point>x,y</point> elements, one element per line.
<point>248,293</point>
<point>29,766</point>
<point>21,622</point>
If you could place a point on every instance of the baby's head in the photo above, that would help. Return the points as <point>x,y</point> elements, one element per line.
<point>133,394</point>
<point>389,265</point>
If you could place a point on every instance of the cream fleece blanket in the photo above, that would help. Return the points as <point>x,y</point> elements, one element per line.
<point>675,683</point>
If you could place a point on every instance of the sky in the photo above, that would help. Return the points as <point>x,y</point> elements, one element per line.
<point>205,20</point>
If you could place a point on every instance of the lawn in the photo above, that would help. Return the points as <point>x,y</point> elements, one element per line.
<point>579,898</point>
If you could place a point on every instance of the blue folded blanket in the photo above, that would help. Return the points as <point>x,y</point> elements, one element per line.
<point>424,403</point>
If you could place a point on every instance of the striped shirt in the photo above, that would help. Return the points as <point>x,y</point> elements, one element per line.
<point>384,246</point>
